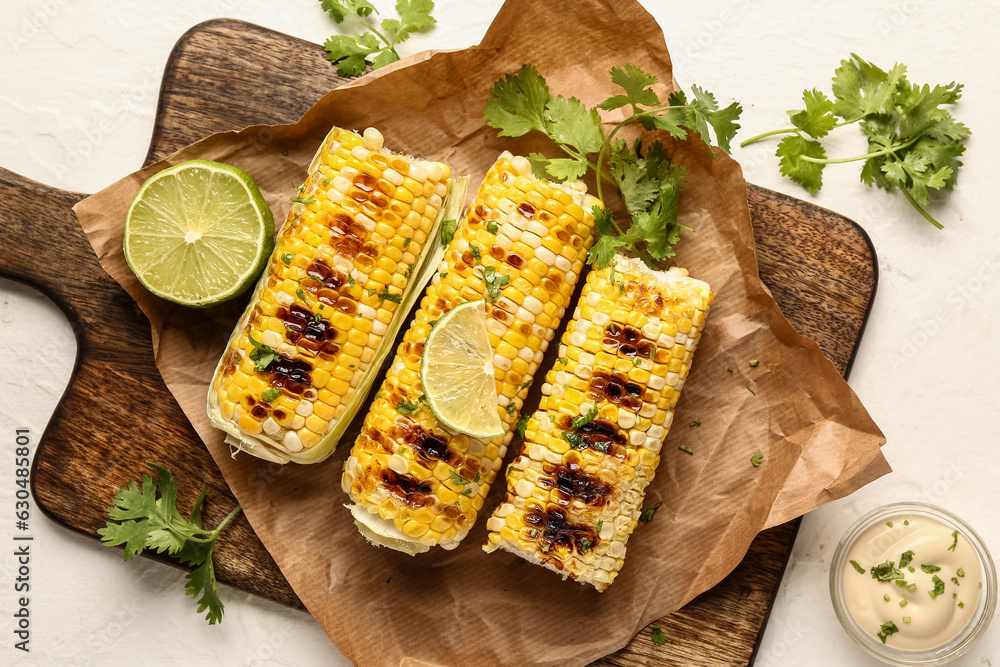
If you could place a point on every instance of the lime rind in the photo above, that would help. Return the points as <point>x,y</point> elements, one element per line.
<point>263,244</point>
<point>462,351</point>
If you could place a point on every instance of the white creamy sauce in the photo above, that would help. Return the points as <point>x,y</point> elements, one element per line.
<point>924,622</point>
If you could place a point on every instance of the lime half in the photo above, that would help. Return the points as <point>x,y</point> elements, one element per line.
<point>198,233</point>
<point>457,372</point>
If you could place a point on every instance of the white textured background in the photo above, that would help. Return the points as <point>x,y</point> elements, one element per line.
<point>78,87</point>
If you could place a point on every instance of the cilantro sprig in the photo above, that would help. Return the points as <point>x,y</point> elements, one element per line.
<point>351,53</point>
<point>913,143</point>
<point>149,519</point>
<point>650,184</point>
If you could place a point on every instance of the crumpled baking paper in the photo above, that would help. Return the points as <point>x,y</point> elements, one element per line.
<point>465,607</point>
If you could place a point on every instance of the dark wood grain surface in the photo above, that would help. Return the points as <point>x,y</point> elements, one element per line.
<point>117,413</point>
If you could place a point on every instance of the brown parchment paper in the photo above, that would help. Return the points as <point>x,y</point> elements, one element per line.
<point>465,607</point>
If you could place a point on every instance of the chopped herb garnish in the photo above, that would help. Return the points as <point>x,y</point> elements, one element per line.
<point>960,572</point>
<point>961,605</point>
<point>444,274</point>
<point>343,466</point>
<point>511,408</point>
<point>350,280</point>
<point>432,323</point>
<point>302,295</point>
<point>954,580</point>
<point>930,569</point>
<point>269,394</point>
<point>585,545</point>
<point>524,385</point>
<point>286,257</point>
<point>495,282</point>
<point>749,389</point>
<point>406,242</point>
<point>657,636</point>
<point>491,227</point>
<point>905,558</point>
<point>448,228</point>
<point>885,572</point>
<point>262,355</point>
<point>384,295</point>
<point>686,449</point>
<point>510,466</point>
<point>729,369</point>
<point>889,523</point>
<point>911,587</point>
<point>577,441</point>
<point>886,597</point>
<point>284,151</point>
<point>409,407</point>
<point>600,524</point>
<point>409,270</point>
<point>903,602</point>
<point>317,318</point>
<point>906,619</point>
<point>611,276</point>
<point>562,360</point>
<point>911,569</point>
<point>636,361</point>
<point>753,363</point>
<point>696,422</point>
<point>467,493</point>
<point>304,200</point>
<point>401,450</point>
<point>755,462</point>
<point>647,514</point>
<point>457,479</point>
<point>477,253</point>
<point>954,541</point>
<point>583,420</point>
<point>522,425</point>
<point>857,566</point>
<point>476,480</point>
<point>938,586</point>
<point>326,182</point>
<point>886,629</point>
<point>906,522</point>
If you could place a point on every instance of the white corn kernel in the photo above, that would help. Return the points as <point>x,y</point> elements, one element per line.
<point>398,464</point>
<point>271,338</point>
<point>284,298</point>
<point>270,426</point>
<point>393,176</point>
<point>373,138</point>
<point>291,442</point>
<point>304,408</point>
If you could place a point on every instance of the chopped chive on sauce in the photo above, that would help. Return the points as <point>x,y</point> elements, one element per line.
<point>960,572</point>
<point>911,587</point>
<point>858,567</point>
<point>906,619</point>
<point>889,523</point>
<point>954,541</point>
<point>961,605</point>
<point>886,597</point>
<point>903,602</point>
<point>753,363</point>
<point>686,449</point>
<point>906,522</point>
<point>886,629</point>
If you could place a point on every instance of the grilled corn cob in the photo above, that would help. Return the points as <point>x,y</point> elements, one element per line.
<point>575,492</point>
<point>327,300</point>
<point>415,483</point>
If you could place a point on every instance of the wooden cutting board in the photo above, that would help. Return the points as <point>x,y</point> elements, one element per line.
<point>117,413</point>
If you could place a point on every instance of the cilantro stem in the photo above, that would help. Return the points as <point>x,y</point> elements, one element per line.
<point>391,45</point>
<point>236,510</point>
<point>857,158</point>
<point>920,209</point>
<point>789,130</point>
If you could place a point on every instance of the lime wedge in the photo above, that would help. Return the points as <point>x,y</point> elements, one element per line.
<point>457,372</point>
<point>198,233</point>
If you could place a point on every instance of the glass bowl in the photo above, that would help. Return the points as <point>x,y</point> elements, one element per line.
<point>937,655</point>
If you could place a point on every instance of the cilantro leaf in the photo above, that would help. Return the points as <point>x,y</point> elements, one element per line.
<point>807,174</point>
<point>861,88</point>
<point>636,85</point>
<point>522,425</point>
<point>448,229</point>
<point>817,118</point>
<point>149,519</point>
<point>583,420</point>
<point>657,636</point>
<point>647,514</point>
<point>262,355</point>
<point>570,122</point>
<point>350,54</point>
<point>518,106</point>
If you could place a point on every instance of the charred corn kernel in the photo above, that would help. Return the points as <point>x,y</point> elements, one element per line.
<point>447,499</point>
<point>588,482</point>
<point>307,308</point>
